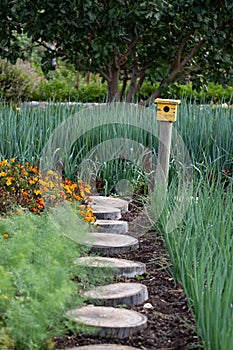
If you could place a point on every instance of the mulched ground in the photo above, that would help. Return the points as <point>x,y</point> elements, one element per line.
<point>170,323</point>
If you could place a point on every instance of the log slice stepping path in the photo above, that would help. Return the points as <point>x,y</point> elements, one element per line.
<point>106,213</point>
<point>111,226</point>
<point>104,347</point>
<point>110,239</point>
<point>111,244</point>
<point>109,321</point>
<point>120,267</point>
<point>118,294</point>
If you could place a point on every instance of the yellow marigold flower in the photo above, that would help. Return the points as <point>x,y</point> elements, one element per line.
<point>9,181</point>
<point>37,192</point>
<point>82,194</point>
<point>67,188</point>
<point>50,172</point>
<point>43,183</point>
<point>2,173</point>
<point>51,184</point>
<point>6,235</point>
<point>12,160</point>
<point>88,190</point>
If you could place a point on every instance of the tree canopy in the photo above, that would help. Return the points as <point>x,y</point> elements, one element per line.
<point>127,40</point>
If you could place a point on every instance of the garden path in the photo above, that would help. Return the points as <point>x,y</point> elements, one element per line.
<point>170,324</point>
<point>110,239</point>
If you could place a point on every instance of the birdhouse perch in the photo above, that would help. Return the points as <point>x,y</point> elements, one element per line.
<point>167,109</point>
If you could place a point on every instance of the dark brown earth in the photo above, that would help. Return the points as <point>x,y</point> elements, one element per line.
<point>170,322</point>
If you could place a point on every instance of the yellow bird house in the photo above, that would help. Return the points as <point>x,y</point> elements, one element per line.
<point>167,109</point>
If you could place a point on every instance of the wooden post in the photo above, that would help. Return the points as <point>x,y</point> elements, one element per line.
<point>166,113</point>
<point>165,136</point>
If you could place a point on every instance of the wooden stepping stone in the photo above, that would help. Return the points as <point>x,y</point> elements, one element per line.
<point>109,202</point>
<point>121,267</point>
<point>103,347</point>
<point>111,244</point>
<point>110,321</point>
<point>118,294</point>
<point>111,226</point>
<point>106,212</point>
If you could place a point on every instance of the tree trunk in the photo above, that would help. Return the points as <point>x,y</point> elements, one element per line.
<point>113,92</point>
<point>133,85</point>
<point>124,86</point>
<point>88,78</point>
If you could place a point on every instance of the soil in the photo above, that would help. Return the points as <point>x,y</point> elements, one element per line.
<point>170,322</point>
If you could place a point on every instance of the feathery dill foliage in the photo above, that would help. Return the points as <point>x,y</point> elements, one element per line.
<point>37,286</point>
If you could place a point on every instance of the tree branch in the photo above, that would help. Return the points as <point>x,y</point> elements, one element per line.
<point>174,73</point>
<point>182,44</point>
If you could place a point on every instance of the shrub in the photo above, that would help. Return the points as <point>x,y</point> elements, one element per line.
<point>18,81</point>
<point>94,92</point>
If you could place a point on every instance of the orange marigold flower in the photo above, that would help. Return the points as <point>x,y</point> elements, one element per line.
<point>4,162</point>
<point>44,189</point>
<point>6,235</point>
<point>24,193</point>
<point>32,181</point>
<point>77,197</point>
<point>88,219</point>
<point>34,170</point>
